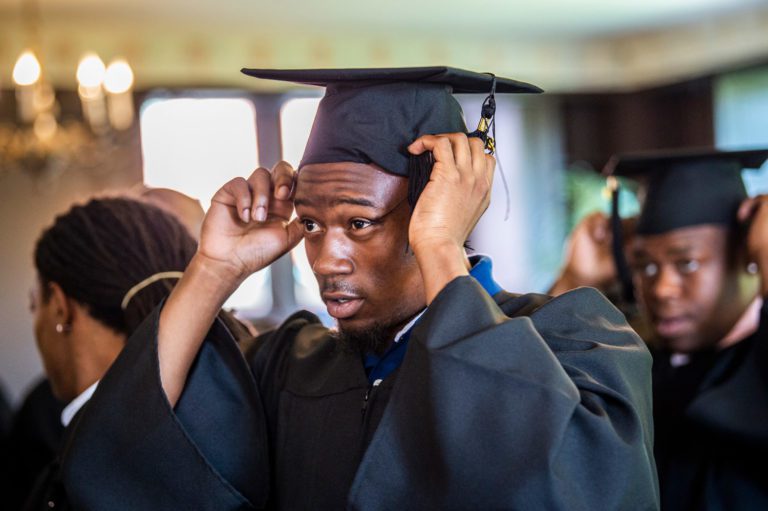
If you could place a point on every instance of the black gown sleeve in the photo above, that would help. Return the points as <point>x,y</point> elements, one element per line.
<point>550,411</point>
<point>130,450</point>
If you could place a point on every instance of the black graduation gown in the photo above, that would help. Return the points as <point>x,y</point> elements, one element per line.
<point>33,442</point>
<point>547,409</point>
<point>48,492</point>
<point>711,418</point>
<point>5,415</point>
<point>130,450</point>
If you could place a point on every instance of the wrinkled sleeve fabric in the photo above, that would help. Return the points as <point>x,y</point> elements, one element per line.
<point>547,411</point>
<point>130,450</point>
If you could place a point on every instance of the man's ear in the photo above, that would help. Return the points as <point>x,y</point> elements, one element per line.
<point>60,304</point>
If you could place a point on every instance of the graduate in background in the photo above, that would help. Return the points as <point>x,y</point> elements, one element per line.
<point>699,260</point>
<point>437,390</point>
<point>36,428</point>
<point>85,302</point>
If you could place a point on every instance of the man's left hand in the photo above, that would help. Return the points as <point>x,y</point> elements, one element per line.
<point>455,198</point>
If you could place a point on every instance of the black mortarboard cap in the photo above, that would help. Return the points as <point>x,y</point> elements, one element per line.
<point>372,115</point>
<point>687,187</point>
<point>681,188</point>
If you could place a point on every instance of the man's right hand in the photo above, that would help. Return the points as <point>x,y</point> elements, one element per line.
<point>248,225</point>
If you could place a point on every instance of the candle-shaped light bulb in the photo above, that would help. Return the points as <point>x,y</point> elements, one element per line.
<point>90,71</point>
<point>118,82</point>
<point>118,77</point>
<point>90,76</point>
<point>27,69</point>
<point>26,75</point>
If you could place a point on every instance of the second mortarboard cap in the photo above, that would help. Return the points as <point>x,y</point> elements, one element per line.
<point>687,187</point>
<point>372,115</point>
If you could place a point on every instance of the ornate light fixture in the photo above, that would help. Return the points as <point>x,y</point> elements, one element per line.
<point>38,140</point>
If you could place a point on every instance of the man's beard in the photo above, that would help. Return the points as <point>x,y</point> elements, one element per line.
<point>373,339</point>
<point>376,337</point>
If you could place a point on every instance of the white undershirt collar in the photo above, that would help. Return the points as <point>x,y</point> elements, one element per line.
<point>76,404</point>
<point>407,327</point>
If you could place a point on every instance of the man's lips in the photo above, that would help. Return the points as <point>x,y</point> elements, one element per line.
<point>672,326</point>
<point>342,305</point>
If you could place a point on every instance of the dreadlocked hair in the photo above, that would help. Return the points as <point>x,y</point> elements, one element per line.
<point>96,252</point>
<point>419,173</point>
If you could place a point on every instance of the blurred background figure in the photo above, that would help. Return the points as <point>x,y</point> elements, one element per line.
<point>186,209</point>
<point>101,268</point>
<point>698,255</point>
<point>699,285</point>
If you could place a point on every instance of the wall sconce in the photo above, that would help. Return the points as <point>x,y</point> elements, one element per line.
<point>37,138</point>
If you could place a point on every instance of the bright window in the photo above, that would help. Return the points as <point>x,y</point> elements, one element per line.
<point>296,119</point>
<point>195,145</point>
<point>741,118</point>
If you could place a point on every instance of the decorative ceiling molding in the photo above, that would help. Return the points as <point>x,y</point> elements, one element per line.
<point>177,56</point>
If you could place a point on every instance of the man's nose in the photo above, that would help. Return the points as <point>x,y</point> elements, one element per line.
<point>668,283</point>
<point>333,258</point>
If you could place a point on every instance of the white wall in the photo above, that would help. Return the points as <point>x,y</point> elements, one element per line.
<point>527,247</point>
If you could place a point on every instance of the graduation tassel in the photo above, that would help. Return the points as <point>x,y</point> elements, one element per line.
<point>488,123</point>
<point>487,120</point>
<point>420,166</point>
<point>617,244</point>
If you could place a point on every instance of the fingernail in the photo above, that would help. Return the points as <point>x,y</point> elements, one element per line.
<point>245,215</point>
<point>283,192</point>
<point>260,214</point>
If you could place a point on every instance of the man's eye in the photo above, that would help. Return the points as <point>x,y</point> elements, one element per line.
<point>358,224</point>
<point>688,265</point>
<point>647,269</point>
<point>309,225</point>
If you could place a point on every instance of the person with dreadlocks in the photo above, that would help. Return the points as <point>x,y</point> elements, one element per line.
<point>437,389</point>
<point>101,268</point>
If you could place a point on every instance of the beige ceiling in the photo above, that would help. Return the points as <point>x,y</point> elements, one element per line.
<point>559,44</point>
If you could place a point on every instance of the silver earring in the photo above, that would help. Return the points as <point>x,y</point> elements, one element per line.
<point>61,328</point>
<point>752,268</point>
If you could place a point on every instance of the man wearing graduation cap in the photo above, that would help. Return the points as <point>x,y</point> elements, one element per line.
<point>438,390</point>
<point>699,256</point>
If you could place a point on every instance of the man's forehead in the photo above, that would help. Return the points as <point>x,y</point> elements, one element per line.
<point>329,180</point>
<point>704,235</point>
